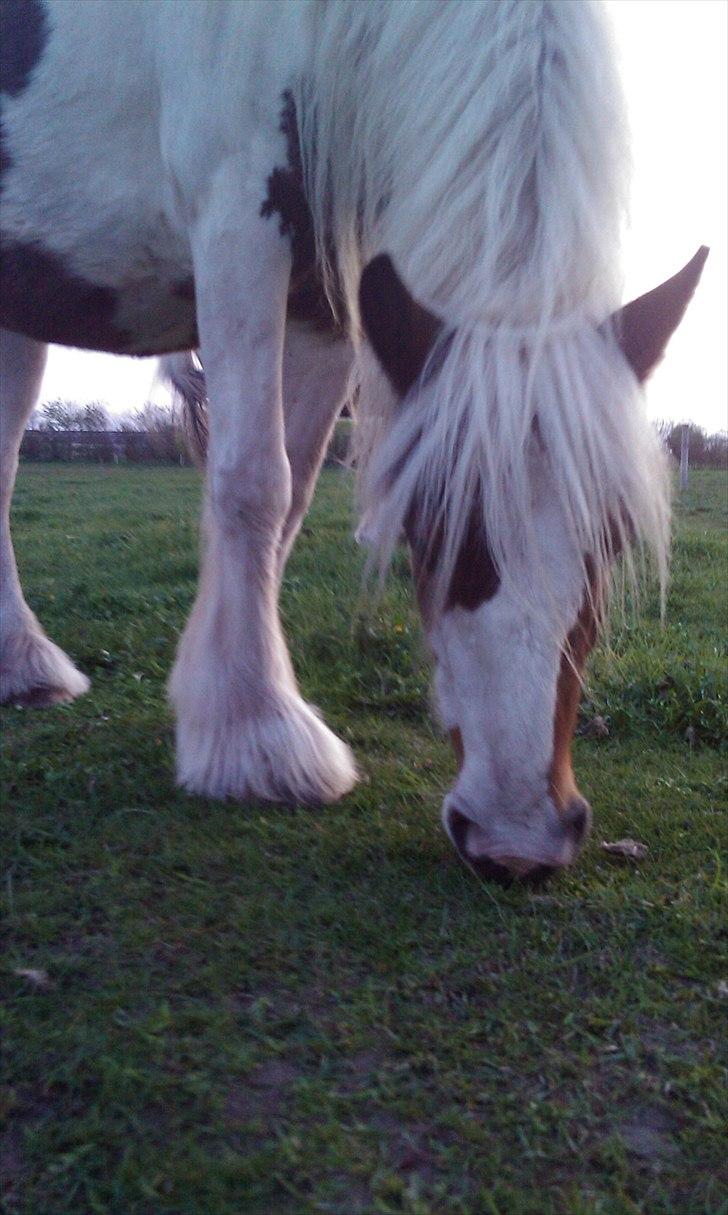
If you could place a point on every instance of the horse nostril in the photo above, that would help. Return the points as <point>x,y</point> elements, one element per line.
<point>577,820</point>
<point>458,825</point>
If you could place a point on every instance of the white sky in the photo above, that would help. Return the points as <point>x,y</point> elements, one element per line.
<point>674,64</point>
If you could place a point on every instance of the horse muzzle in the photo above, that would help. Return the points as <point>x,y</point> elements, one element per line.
<point>498,859</point>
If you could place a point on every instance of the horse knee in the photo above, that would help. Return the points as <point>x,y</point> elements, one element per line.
<point>256,494</point>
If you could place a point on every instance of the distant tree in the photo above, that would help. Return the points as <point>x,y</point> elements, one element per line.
<point>35,421</point>
<point>716,450</point>
<point>94,417</point>
<point>664,430</point>
<point>706,451</point>
<point>58,416</point>
<point>148,417</point>
<point>697,442</point>
<point>164,440</point>
<point>68,416</point>
<point>63,430</point>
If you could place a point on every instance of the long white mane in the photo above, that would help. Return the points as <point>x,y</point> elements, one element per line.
<point>483,146</point>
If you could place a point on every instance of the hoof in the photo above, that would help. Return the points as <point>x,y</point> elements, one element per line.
<point>286,755</point>
<point>41,698</point>
<point>35,673</point>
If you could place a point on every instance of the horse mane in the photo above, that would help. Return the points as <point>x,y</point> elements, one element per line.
<point>483,147</point>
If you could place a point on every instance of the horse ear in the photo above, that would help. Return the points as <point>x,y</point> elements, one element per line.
<point>401,332</point>
<point>644,327</point>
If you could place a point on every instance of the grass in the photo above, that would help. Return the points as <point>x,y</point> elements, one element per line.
<point>264,1010</point>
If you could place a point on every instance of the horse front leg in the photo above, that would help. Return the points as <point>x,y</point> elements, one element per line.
<point>243,730</point>
<point>33,671</point>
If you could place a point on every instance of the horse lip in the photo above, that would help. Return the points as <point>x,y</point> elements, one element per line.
<point>456,824</point>
<point>505,870</point>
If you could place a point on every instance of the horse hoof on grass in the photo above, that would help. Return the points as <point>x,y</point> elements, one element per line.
<point>35,673</point>
<point>286,755</point>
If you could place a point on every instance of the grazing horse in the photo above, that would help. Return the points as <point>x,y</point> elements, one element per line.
<point>418,201</point>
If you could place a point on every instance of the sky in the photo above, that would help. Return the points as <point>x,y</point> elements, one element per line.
<point>673,60</point>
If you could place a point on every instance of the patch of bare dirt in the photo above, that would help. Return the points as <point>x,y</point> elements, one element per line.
<point>660,1041</point>
<point>358,1071</point>
<point>29,1108</point>
<point>271,1001</point>
<point>407,1146</point>
<point>356,1197</point>
<point>264,1096</point>
<point>12,1170</point>
<point>648,1133</point>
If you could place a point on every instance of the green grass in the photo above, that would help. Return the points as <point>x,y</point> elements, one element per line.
<point>258,1010</point>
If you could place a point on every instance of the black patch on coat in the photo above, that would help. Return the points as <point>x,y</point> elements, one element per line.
<point>42,299</point>
<point>286,197</point>
<point>644,327</point>
<point>402,333</point>
<point>475,577</point>
<point>185,290</point>
<point>5,157</point>
<point>23,35</point>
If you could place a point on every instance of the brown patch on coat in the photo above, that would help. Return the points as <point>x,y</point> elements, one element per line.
<point>580,641</point>
<point>456,739</point>
<point>185,289</point>
<point>23,37</point>
<point>43,298</point>
<point>411,345</point>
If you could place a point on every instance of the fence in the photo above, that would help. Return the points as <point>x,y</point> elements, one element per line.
<point>138,446</point>
<point>106,446</point>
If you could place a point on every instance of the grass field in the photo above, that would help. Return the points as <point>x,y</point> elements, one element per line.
<point>248,1009</point>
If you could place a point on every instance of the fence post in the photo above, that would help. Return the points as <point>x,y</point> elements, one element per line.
<point>684,456</point>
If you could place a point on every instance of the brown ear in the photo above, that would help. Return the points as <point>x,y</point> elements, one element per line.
<point>401,332</point>
<point>644,327</point>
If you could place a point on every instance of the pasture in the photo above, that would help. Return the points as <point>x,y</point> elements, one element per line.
<point>247,1008</point>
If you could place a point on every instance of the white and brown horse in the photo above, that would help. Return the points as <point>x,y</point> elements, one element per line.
<point>253,179</point>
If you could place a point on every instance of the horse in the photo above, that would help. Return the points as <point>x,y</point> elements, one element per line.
<point>414,204</point>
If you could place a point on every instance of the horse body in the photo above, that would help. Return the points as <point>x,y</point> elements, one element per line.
<point>107,157</point>
<point>230,175</point>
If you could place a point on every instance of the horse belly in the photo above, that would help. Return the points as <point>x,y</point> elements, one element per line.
<point>43,296</point>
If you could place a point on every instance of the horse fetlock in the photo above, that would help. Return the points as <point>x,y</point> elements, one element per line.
<point>284,753</point>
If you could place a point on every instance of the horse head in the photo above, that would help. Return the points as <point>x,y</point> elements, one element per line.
<point>510,637</point>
